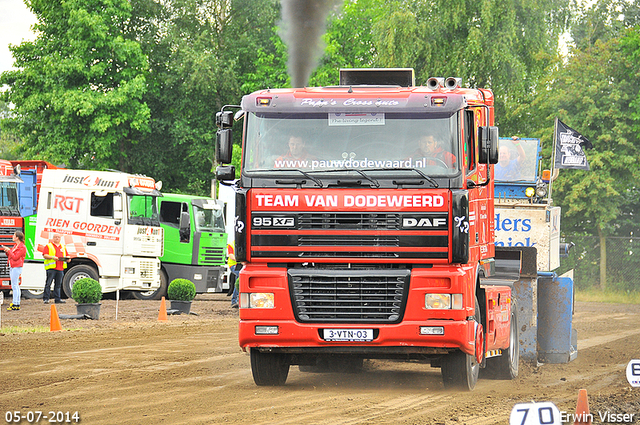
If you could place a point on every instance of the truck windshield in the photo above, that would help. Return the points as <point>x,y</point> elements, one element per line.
<point>208,219</point>
<point>343,141</point>
<point>9,205</point>
<point>143,210</point>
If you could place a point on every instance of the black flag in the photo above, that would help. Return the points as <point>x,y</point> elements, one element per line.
<point>569,148</point>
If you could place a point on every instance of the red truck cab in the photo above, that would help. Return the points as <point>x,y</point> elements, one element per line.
<point>364,217</point>
<point>10,219</point>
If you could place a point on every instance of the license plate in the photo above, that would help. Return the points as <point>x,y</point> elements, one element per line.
<point>348,334</point>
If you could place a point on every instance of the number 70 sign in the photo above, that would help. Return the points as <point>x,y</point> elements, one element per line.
<point>544,413</point>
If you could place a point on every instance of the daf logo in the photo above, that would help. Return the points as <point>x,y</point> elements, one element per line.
<point>423,222</point>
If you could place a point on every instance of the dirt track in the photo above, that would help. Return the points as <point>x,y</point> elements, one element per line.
<point>190,370</point>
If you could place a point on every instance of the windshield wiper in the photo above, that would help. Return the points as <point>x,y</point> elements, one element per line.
<point>372,180</point>
<point>5,210</point>
<point>316,180</point>
<point>423,175</point>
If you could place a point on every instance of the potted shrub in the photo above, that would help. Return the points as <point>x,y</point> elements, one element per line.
<point>87,293</point>
<point>181,292</point>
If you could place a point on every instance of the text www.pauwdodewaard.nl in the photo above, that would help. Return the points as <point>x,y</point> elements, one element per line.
<point>350,163</point>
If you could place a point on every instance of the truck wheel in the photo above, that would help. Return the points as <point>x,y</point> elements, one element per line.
<point>461,370</point>
<point>506,366</point>
<point>32,294</point>
<point>75,273</point>
<point>154,295</point>
<point>269,369</point>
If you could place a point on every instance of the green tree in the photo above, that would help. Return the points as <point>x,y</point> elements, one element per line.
<point>507,46</point>
<point>200,53</point>
<point>78,96</point>
<point>9,143</point>
<point>594,94</point>
<point>349,40</point>
<point>270,67</point>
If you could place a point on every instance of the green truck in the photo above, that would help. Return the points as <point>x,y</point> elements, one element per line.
<point>194,243</point>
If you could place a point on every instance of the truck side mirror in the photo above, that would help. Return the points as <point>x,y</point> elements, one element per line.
<point>488,137</point>
<point>224,146</point>
<point>224,119</point>
<point>225,173</point>
<point>185,227</point>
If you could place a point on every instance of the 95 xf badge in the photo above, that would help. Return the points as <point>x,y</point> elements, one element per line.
<point>272,221</point>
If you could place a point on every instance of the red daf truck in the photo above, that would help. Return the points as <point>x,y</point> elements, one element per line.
<point>10,219</point>
<point>365,219</point>
<point>19,185</point>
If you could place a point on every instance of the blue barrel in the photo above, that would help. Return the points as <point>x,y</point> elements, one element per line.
<point>555,314</point>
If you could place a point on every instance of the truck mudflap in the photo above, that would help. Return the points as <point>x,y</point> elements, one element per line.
<point>508,265</point>
<point>409,337</point>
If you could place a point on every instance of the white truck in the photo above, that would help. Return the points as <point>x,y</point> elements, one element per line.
<point>109,223</point>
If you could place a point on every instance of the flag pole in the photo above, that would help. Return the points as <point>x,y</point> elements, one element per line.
<point>553,159</point>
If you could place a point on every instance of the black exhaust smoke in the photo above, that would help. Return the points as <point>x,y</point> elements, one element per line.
<point>303,24</point>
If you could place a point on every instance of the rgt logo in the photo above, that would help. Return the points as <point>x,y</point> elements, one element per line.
<point>67,203</point>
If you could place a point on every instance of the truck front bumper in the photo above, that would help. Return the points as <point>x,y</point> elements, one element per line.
<point>408,337</point>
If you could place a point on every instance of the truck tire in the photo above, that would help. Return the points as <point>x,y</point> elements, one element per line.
<point>154,295</point>
<point>269,369</point>
<point>32,294</point>
<point>506,365</point>
<point>75,273</point>
<point>461,370</point>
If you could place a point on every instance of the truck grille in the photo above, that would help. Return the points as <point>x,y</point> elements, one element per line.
<point>149,249</point>
<point>4,266</point>
<point>212,256</point>
<point>349,221</point>
<point>148,269</point>
<point>9,231</point>
<point>308,235</point>
<point>349,296</point>
<point>212,278</point>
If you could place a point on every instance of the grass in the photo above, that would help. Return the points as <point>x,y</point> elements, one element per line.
<point>23,329</point>
<point>607,296</point>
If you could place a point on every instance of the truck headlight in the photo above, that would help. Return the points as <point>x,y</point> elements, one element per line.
<point>129,270</point>
<point>257,300</point>
<point>443,301</point>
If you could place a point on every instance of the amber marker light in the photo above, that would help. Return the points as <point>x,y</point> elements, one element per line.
<point>263,101</point>
<point>530,191</point>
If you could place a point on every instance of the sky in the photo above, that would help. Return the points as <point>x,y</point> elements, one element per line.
<point>15,23</point>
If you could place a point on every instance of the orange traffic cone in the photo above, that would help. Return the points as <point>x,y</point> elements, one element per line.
<point>583,417</point>
<point>162,315</point>
<point>54,324</point>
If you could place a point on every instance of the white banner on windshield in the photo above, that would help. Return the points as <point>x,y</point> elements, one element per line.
<point>336,119</point>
